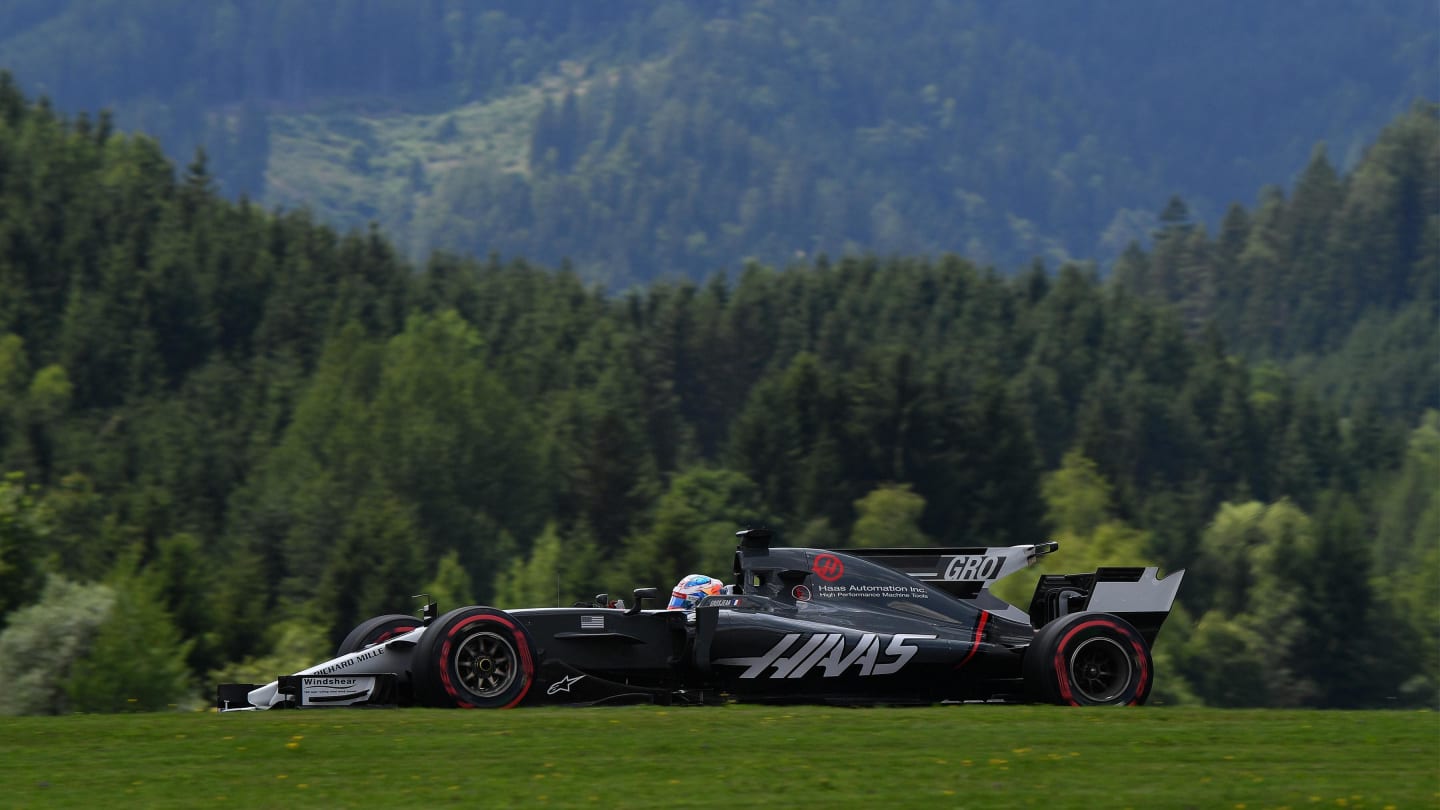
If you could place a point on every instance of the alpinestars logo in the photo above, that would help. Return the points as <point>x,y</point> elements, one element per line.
<point>828,652</point>
<point>564,684</point>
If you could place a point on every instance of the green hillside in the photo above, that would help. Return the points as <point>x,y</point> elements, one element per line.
<point>351,168</point>
<point>682,137</point>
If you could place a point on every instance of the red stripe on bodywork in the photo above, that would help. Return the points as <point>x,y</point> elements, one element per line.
<point>522,647</point>
<point>975,644</point>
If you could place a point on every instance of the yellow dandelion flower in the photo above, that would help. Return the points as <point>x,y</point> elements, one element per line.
<point>997,762</point>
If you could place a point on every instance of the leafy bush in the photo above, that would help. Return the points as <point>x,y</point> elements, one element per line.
<point>42,643</point>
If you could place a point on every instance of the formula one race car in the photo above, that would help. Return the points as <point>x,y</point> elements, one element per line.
<point>851,626</point>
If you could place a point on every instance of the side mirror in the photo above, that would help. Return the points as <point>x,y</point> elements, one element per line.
<point>428,612</point>
<point>640,595</point>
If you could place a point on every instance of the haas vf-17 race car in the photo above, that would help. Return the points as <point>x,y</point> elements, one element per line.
<point>845,626</point>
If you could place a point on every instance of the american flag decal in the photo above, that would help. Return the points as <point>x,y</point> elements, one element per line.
<point>592,622</point>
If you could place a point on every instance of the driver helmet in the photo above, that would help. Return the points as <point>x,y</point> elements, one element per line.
<point>689,591</point>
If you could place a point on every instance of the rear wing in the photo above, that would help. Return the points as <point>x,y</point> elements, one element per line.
<point>1139,595</point>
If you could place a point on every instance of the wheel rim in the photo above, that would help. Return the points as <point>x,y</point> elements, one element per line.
<point>1100,670</point>
<point>486,664</point>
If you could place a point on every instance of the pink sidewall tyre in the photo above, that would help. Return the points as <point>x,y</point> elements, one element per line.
<point>473,658</point>
<point>1089,659</point>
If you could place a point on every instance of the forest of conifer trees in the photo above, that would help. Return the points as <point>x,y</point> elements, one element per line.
<point>229,434</point>
<point>646,139</point>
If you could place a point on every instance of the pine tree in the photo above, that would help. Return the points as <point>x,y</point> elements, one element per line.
<point>137,659</point>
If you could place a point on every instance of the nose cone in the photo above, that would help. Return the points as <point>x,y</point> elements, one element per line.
<point>264,697</point>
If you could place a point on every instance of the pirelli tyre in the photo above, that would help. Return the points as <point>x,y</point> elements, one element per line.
<point>1089,659</point>
<point>373,631</point>
<point>473,658</point>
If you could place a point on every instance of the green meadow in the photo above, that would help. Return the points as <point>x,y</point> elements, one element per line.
<point>727,756</point>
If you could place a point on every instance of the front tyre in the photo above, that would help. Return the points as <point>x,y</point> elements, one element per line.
<point>1089,659</point>
<point>373,631</point>
<point>473,658</point>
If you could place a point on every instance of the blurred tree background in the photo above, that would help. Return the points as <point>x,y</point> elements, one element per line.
<point>224,427</point>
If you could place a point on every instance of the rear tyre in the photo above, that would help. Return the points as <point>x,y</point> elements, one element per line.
<point>373,631</point>
<point>1089,659</point>
<point>473,658</point>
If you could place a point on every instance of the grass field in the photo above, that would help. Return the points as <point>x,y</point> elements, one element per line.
<point>727,756</point>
